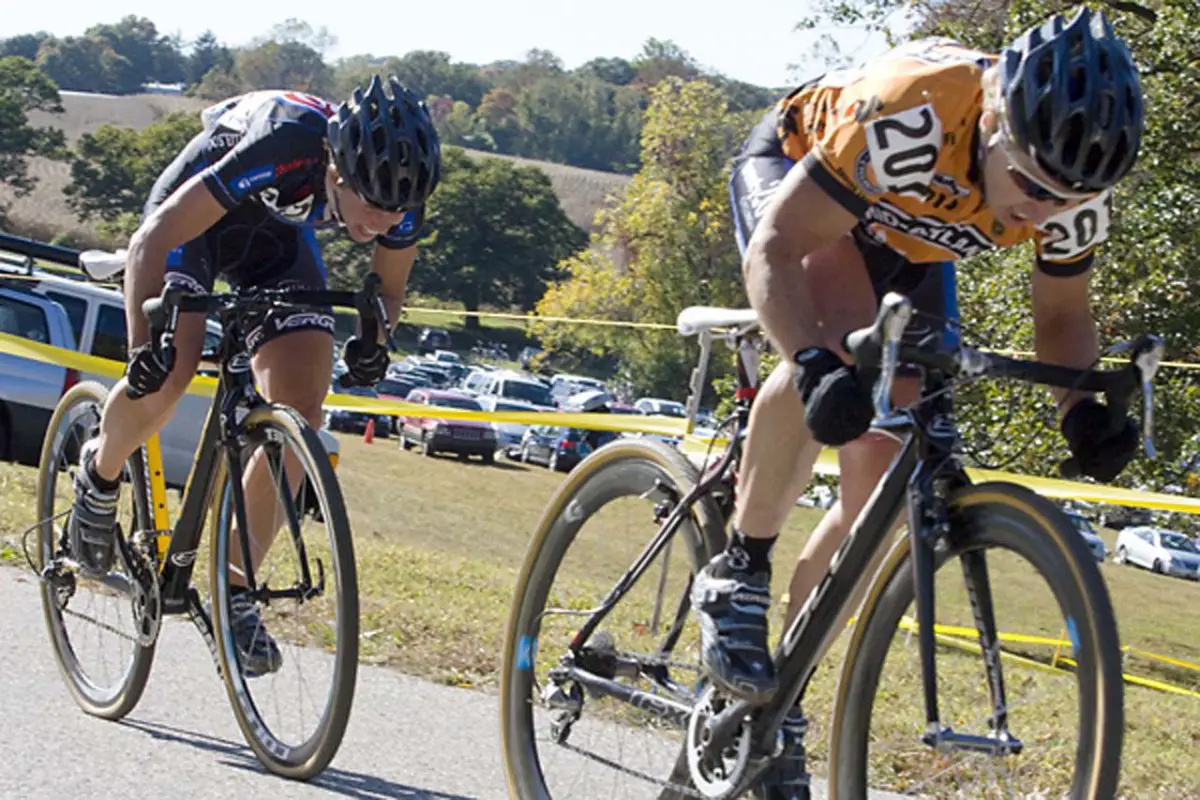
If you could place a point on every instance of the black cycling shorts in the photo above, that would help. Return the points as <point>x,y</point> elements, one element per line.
<point>251,249</point>
<point>757,172</point>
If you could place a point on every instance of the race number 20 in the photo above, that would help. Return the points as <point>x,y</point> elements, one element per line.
<point>904,149</point>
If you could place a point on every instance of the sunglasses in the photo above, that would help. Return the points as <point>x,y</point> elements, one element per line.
<point>1032,188</point>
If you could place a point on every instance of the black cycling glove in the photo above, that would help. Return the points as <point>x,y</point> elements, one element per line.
<point>147,370</point>
<point>837,407</point>
<point>366,362</point>
<point>1102,441</point>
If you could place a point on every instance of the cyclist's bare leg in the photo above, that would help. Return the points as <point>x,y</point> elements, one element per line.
<point>302,383</point>
<point>780,452</point>
<point>126,424</point>
<point>861,464</point>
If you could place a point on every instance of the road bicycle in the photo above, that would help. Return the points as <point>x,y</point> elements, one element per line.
<point>581,670</point>
<point>304,585</point>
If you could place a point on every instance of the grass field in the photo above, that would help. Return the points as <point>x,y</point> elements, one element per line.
<point>439,542</point>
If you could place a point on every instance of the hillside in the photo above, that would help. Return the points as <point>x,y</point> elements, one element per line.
<point>45,213</point>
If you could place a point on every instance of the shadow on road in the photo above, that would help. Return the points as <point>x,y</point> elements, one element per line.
<point>337,781</point>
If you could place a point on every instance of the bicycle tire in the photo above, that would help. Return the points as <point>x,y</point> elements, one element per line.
<point>998,515</point>
<point>599,477</point>
<point>310,757</point>
<point>113,702</point>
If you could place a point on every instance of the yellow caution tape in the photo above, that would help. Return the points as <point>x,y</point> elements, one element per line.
<point>952,636</point>
<point>1047,487</point>
<point>630,423</point>
<point>1164,659</point>
<point>206,386</point>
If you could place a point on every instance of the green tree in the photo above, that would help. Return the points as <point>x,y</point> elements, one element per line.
<point>25,88</point>
<point>667,245</point>
<point>497,233</point>
<point>151,56</point>
<point>286,65</point>
<point>25,45</point>
<point>617,71</point>
<point>114,168</point>
<point>207,54</point>
<point>79,63</point>
<point>661,59</point>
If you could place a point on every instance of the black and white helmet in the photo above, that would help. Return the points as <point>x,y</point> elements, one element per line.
<point>1074,101</point>
<point>385,146</point>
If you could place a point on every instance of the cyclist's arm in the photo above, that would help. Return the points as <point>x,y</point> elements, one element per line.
<point>188,212</point>
<point>393,265</point>
<point>803,218</point>
<point>1064,331</point>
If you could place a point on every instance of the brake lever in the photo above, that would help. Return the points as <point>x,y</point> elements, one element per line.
<point>896,310</point>
<point>1148,354</point>
<point>372,305</point>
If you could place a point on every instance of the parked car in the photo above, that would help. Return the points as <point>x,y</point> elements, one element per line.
<point>515,387</point>
<point>1160,550</point>
<point>656,406</point>
<point>561,449</point>
<point>1118,517</point>
<point>29,390</point>
<point>564,385</point>
<point>1094,542</point>
<point>508,434</point>
<point>353,421</point>
<point>475,379</point>
<point>432,339</point>
<point>398,388</point>
<point>466,437</point>
<point>97,318</point>
<point>444,357</point>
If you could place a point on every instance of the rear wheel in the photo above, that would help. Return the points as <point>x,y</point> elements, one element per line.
<point>558,734</point>
<point>1045,576</point>
<point>305,594</point>
<point>94,624</point>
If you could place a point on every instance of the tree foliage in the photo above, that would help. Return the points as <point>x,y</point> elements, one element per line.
<point>667,245</point>
<point>114,168</point>
<point>25,88</point>
<point>588,117</point>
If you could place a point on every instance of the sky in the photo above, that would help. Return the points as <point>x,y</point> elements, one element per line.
<point>750,40</point>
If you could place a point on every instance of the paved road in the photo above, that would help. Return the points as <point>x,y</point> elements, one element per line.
<point>407,738</point>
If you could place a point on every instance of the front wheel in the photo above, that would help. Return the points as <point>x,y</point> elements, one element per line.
<point>288,646</point>
<point>93,624</point>
<point>1020,556</point>
<point>604,712</point>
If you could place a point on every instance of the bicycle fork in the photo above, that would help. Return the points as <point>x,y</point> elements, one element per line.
<point>929,524</point>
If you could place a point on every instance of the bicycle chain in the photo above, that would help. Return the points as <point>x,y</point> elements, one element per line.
<point>98,624</point>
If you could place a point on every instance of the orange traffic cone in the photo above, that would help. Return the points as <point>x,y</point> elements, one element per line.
<point>369,433</point>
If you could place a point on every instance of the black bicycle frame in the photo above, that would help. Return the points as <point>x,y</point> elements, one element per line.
<point>235,389</point>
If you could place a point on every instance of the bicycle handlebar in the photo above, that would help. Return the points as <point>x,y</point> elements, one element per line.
<point>878,351</point>
<point>163,311</point>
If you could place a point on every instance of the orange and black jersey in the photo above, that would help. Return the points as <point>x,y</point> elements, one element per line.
<point>895,142</point>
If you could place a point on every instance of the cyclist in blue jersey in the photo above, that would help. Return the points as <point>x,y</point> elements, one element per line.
<point>243,200</point>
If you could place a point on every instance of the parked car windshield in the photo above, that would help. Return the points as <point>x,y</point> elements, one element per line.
<point>465,403</point>
<point>360,391</point>
<point>530,392</point>
<point>395,388</point>
<point>1177,541</point>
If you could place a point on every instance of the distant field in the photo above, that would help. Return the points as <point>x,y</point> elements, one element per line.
<point>580,191</point>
